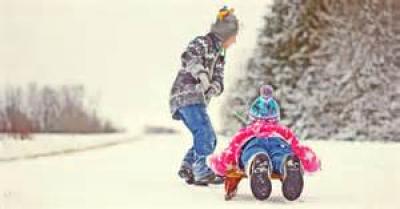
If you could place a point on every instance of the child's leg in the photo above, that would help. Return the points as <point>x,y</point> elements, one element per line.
<point>287,165</point>
<point>249,151</point>
<point>189,158</point>
<point>197,121</point>
<point>185,171</point>
<point>278,150</point>
<point>254,158</point>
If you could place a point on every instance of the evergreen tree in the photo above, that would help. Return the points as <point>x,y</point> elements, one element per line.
<point>334,65</point>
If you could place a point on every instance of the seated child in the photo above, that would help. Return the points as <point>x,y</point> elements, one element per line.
<point>263,150</point>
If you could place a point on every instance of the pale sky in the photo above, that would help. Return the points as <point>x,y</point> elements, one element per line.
<point>127,51</point>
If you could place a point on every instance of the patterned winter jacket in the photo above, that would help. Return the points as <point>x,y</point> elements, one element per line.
<point>229,158</point>
<point>203,55</point>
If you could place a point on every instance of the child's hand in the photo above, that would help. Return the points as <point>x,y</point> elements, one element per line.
<point>204,82</point>
<point>211,92</point>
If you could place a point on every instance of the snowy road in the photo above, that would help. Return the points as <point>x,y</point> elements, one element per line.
<point>142,175</point>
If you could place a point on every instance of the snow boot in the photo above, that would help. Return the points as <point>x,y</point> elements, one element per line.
<point>186,174</point>
<point>260,182</point>
<point>292,183</point>
<point>232,180</point>
<point>211,178</point>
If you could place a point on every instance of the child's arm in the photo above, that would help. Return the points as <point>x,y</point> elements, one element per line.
<point>193,61</point>
<point>218,164</point>
<point>217,82</point>
<point>226,160</point>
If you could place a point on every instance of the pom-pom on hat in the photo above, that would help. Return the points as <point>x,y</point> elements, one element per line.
<point>266,91</point>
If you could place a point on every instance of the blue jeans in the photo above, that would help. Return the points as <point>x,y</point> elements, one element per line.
<point>276,148</point>
<point>196,119</point>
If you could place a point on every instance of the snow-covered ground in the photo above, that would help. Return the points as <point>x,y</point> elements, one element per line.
<point>42,145</point>
<point>142,175</point>
<point>128,51</point>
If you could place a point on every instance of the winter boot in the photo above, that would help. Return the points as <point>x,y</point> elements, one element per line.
<point>186,174</point>
<point>260,182</point>
<point>232,180</point>
<point>210,178</point>
<point>292,184</point>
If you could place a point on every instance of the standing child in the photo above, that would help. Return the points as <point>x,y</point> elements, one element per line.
<point>200,79</point>
<point>264,150</point>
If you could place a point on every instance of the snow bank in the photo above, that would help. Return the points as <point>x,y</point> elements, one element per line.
<point>42,145</point>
